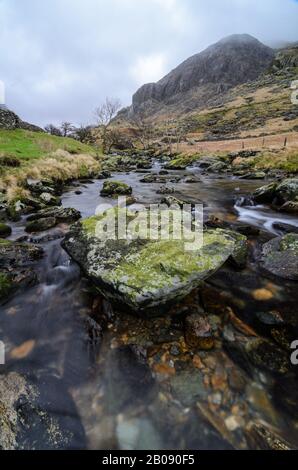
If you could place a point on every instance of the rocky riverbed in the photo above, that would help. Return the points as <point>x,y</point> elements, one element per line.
<point>210,369</point>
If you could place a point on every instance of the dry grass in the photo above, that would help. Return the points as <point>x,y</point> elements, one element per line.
<point>60,166</point>
<point>268,142</point>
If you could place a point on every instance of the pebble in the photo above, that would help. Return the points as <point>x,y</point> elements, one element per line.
<point>234,422</point>
<point>262,294</point>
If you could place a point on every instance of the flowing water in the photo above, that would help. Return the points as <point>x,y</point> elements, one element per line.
<point>94,365</point>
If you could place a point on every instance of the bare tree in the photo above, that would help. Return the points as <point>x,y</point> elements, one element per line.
<point>53,130</point>
<point>84,134</point>
<point>174,133</point>
<point>144,127</point>
<point>66,128</point>
<point>168,135</point>
<point>104,115</point>
<point>179,132</point>
<point>113,138</point>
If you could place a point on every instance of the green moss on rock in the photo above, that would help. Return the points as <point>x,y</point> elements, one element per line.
<point>5,230</point>
<point>115,188</point>
<point>143,272</point>
<point>5,285</point>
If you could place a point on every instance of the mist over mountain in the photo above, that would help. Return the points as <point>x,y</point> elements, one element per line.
<point>232,61</point>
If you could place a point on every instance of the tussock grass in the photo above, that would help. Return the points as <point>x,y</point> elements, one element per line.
<point>42,156</point>
<point>60,166</point>
<point>284,159</point>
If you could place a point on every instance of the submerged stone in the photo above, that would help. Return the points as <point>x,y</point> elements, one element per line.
<point>198,333</point>
<point>280,256</point>
<point>143,272</point>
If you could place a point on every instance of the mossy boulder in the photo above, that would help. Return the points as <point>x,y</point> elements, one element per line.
<point>115,188</point>
<point>40,225</point>
<point>278,193</point>
<point>49,199</point>
<point>291,207</point>
<point>104,174</point>
<point>287,190</point>
<point>61,214</point>
<point>5,285</point>
<point>14,210</point>
<point>280,256</point>
<point>142,272</point>
<point>265,194</point>
<point>5,230</point>
<point>144,164</point>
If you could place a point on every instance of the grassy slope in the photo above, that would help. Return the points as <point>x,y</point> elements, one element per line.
<point>27,145</point>
<point>42,156</point>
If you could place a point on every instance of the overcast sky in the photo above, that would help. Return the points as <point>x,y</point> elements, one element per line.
<point>60,58</point>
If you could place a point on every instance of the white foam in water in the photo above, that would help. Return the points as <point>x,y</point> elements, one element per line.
<point>259,217</point>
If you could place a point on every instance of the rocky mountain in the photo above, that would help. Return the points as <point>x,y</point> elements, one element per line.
<point>9,121</point>
<point>202,78</point>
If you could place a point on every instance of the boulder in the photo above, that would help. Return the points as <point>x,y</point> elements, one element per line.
<point>5,230</point>
<point>142,272</point>
<point>191,179</point>
<point>152,178</point>
<point>61,214</point>
<point>291,207</point>
<point>38,187</point>
<point>287,190</point>
<point>165,190</point>
<point>27,420</point>
<point>14,210</point>
<point>172,201</point>
<point>265,194</point>
<point>17,265</point>
<point>218,166</point>
<point>39,225</point>
<point>278,193</point>
<point>104,174</point>
<point>207,162</point>
<point>115,188</point>
<point>259,353</point>
<point>280,256</point>
<point>49,199</point>
<point>258,175</point>
<point>144,164</point>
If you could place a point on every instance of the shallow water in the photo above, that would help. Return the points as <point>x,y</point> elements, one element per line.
<point>101,361</point>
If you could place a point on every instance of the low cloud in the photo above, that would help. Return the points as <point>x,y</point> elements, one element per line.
<point>148,69</point>
<point>60,58</point>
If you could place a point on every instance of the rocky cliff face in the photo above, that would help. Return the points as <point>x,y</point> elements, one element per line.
<point>230,62</point>
<point>9,121</point>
